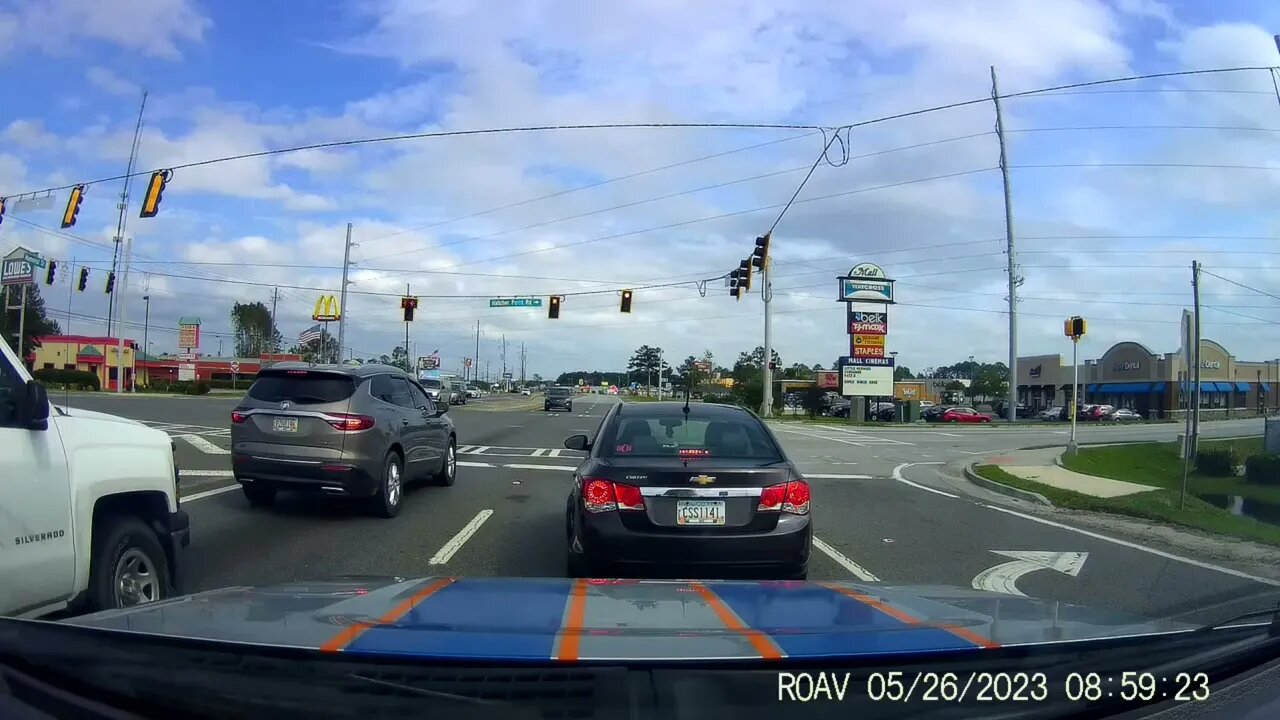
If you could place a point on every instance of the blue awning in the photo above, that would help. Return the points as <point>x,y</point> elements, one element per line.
<point>1207,386</point>
<point>1266,387</point>
<point>1158,388</point>
<point>1092,388</point>
<point>1242,387</point>
<point>1125,388</point>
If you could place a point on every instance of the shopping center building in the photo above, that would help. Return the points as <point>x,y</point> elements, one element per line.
<point>1130,375</point>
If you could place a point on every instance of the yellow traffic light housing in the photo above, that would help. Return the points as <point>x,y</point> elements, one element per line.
<point>111,282</point>
<point>155,190</point>
<point>626,301</point>
<point>1074,327</point>
<point>73,206</point>
<point>744,275</point>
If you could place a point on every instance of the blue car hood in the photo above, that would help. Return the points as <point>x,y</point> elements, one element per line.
<point>540,619</point>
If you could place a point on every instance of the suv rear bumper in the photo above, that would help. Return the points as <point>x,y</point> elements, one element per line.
<point>334,478</point>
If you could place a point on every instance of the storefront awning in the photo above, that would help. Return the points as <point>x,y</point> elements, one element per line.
<point>1125,388</point>
<point>1242,387</point>
<point>1266,387</point>
<point>1092,388</point>
<point>1207,386</point>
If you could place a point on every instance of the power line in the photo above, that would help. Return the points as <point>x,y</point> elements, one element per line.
<point>1240,314</point>
<point>1242,128</point>
<point>1240,284</point>
<point>1200,166</point>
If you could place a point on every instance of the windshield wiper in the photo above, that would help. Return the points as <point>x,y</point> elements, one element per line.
<point>1273,630</point>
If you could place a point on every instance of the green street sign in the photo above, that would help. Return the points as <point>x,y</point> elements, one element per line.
<point>515,302</point>
<point>34,259</point>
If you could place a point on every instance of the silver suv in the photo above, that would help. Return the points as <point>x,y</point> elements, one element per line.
<point>355,431</point>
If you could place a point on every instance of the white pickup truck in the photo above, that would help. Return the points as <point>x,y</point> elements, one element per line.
<point>89,516</point>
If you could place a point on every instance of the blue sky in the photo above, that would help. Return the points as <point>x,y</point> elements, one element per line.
<point>236,77</point>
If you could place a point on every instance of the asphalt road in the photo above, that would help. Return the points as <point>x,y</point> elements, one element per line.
<point>885,510</point>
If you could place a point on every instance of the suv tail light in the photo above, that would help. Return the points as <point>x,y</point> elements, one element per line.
<point>789,497</point>
<point>238,417</point>
<point>603,495</point>
<point>349,423</point>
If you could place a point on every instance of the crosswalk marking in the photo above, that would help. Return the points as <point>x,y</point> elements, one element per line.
<point>539,452</point>
<point>204,445</point>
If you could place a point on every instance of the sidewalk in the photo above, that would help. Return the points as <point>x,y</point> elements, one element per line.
<point>1042,466</point>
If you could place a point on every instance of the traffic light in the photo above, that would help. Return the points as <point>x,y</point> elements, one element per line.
<point>626,301</point>
<point>2,210</point>
<point>84,279</point>
<point>744,275</point>
<point>155,190</point>
<point>51,272</point>
<point>761,253</point>
<point>408,304</point>
<point>111,282</point>
<point>735,284</point>
<point>553,307</point>
<point>73,206</point>
<point>1074,327</point>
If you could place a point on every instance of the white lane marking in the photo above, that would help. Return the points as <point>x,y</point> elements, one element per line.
<point>935,432</point>
<point>1003,578</point>
<point>553,452</point>
<point>465,463</point>
<point>455,543</point>
<point>204,445</point>
<point>820,437</point>
<point>1136,546</point>
<point>835,476</point>
<point>897,475</point>
<point>843,560</point>
<point>466,448</point>
<point>208,493</point>
<point>518,466</point>
<point>539,452</point>
<point>480,450</point>
<point>204,473</point>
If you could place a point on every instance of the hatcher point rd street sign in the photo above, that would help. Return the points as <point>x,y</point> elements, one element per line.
<point>515,302</point>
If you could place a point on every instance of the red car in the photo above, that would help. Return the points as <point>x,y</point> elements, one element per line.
<point>964,415</point>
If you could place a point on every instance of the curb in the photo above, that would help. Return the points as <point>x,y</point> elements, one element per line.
<point>1003,489</point>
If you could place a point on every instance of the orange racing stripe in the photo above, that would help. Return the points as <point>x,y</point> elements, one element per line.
<point>763,644</point>
<point>339,642</point>
<point>963,633</point>
<point>571,631</point>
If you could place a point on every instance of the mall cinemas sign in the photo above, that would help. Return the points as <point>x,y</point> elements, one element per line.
<point>868,323</point>
<point>1125,366</point>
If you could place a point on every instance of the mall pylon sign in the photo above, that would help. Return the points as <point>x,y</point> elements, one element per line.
<point>327,309</point>
<point>866,371</point>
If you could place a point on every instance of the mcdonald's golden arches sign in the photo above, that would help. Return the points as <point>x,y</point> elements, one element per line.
<point>327,309</point>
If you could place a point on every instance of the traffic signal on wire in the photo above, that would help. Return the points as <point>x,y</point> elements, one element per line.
<point>553,307</point>
<point>73,206</point>
<point>626,301</point>
<point>84,279</point>
<point>408,304</point>
<point>744,275</point>
<point>761,254</point>
<point>155,190</point>
<point>111,282</point>
<point>735,284</point>
<point>51,272</point>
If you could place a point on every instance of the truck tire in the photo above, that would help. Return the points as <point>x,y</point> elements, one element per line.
<point>128,566</point>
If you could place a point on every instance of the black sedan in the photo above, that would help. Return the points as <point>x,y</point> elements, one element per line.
<point>696,486</point>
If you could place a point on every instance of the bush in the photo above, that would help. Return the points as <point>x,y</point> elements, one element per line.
<point>77,379</point>
<point>1262,469</point>
<point>1218,461</point>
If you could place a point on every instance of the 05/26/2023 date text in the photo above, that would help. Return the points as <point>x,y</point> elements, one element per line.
<point>1013,686</point>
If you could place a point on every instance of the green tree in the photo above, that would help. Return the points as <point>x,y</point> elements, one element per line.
<point>36,323</point>
<point>645,363</point>
<point>255,330</point>
<point>902,372</point>
<point>797,371</point>
<point>310,352</point>
<point>400,357</point>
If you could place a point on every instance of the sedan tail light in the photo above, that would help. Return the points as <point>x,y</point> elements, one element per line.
<point>789,497</point>
<point>349,423</point>
<point>604,495</point>
<point>238,417</point>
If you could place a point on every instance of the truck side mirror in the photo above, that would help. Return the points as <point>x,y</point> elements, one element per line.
<point>33,406</point>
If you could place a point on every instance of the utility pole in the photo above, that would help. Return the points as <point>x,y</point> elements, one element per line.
<point>475,361</point>
<point>275,298</point>
<point>1014,281</point>
<point>124,204</point>
<point>522,357</point>
<point>766,293</point>
<point>1195,393</point>
<point>123,291</point>
<point>342,302</point>
<point>408,363</point>
<point>505,386</point>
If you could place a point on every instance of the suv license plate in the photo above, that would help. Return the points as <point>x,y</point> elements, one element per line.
<point>699,512</point>
<point>284,424</point>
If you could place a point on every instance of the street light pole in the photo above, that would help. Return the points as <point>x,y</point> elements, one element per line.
<point>146,347</point>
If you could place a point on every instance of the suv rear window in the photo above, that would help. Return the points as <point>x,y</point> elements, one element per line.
<point>558,391</point>
<point>431,383</point>
<point>302,386</point>
<point>674,435</point>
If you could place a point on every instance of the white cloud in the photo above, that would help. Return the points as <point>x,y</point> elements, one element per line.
<point>109,82</point>
<point>29,134</point>
<point>56,27</point>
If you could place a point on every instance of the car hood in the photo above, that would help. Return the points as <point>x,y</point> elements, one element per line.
<point>94,415</point>
<point>538,619</point>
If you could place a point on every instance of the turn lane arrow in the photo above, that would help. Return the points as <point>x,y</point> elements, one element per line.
<point>1003,578</point>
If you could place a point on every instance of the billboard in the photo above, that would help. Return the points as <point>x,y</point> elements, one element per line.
<point>828,379</point>
<point>866,380</point>
<point>326,309</point>
<point>17,269</point>
<point>189,332</point>
<point>868,323</point>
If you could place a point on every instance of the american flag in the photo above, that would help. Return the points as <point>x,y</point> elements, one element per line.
<point>310,334</point>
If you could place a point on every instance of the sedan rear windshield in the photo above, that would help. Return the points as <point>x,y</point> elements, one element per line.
<point>302,387</point>
<point>431,384</point>
<point>558,391</point>
<point>676,436</point>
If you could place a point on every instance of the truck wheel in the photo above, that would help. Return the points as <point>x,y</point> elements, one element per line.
<point>258,495</point>
<point>128,567</point>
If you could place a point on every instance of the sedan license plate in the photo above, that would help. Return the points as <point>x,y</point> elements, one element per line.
<point>284,424</point>
<point>699,512</point>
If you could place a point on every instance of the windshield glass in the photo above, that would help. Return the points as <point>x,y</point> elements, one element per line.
<point>431,384</point>
<point>672,436</point>
<point>302,387</point>
<point>559,392</point>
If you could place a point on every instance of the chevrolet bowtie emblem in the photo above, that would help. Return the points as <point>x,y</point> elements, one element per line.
<point>702,479</point>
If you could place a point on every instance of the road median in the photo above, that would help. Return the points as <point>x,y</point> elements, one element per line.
<point>1134,480</point>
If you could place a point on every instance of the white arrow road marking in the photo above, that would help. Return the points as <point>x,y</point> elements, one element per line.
<point>1003,578</point>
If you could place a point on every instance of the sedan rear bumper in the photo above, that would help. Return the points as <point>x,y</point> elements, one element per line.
<point>605,540</point>
<point>332,477</point>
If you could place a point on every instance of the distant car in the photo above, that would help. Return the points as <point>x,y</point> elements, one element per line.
<point>934,414</point>
<point>459,393</point>
<point>526,391</point>
<point>435,389</point>
<point>1122,415</point>
<point>558,398</point>
<point>359,431</point>
<point>964,415</point>
<point>708,486</point>
<point>1049,414</point>
<point>473,393</point>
